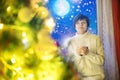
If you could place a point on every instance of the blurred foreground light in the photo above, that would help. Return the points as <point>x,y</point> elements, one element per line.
<point>25,41</point>
<point>18,69</point>
<point>13,60</point>
<point>43,12</point>
<point>47,57</point>
<point>8,9</point>
<point>1,26</point>
<point>30,77</point>
<point>50,23</point>
<point>19,79</point>
<point>24,34</point>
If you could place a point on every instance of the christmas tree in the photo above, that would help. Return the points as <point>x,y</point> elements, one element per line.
<point>27,51</point>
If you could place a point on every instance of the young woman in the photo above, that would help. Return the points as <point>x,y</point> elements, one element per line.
<point>85,51</point>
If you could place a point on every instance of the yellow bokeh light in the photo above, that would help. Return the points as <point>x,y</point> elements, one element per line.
<point>31,51</point>
<point>25,41</point>
<point>47,57</point>
<point>18,69</point>
<point>8,9</point>
<point>1,26</point>
<point>49,23</point>
<point>43,12</point>
<point>30,77</point>
<point>34,3</point>
<point>29,55</point>
<point>24,34</point>
<point>19,79</point>
<point>25,14</point>
<point>13,60</point>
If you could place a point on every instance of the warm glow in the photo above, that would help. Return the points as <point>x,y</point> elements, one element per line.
<point>36,6</point>
<point>13,60</point>
<point>8,9</point>
<point>30,77</point>
<point>42,12</point>
<point>50,23</point>
<point>25,41</point>
<point>19,79</point>
<point>47,57</point>
<point>31,51</point>
<point>24,34</point>
<point>28,51</point>
<point>1,26</point>
<point>18,69</point>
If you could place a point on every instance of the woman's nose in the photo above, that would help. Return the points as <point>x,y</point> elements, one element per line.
<point>81,24</point>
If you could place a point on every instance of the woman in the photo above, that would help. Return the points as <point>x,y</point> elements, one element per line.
<point>85,51</point>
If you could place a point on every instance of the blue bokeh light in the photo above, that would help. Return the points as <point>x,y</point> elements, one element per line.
<point>61,7</point>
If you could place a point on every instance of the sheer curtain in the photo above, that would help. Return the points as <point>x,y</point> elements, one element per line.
<point>106,32</point>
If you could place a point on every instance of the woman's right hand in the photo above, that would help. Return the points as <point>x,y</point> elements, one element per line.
<point>82,50</point>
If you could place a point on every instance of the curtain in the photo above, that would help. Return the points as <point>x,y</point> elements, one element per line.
<point>106,32</point>
<point>116,23</point>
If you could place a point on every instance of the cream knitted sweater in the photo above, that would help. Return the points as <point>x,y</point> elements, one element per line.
<point>92,63</point>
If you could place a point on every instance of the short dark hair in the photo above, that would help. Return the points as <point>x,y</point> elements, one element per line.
<point>81,17</point>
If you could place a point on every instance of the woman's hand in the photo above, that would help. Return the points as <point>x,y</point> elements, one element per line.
<point>82,50</point>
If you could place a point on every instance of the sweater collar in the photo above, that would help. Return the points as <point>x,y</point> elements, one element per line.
<point>82,35</point>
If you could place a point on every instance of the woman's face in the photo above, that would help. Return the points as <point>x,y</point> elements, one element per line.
<point>81,26</point>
